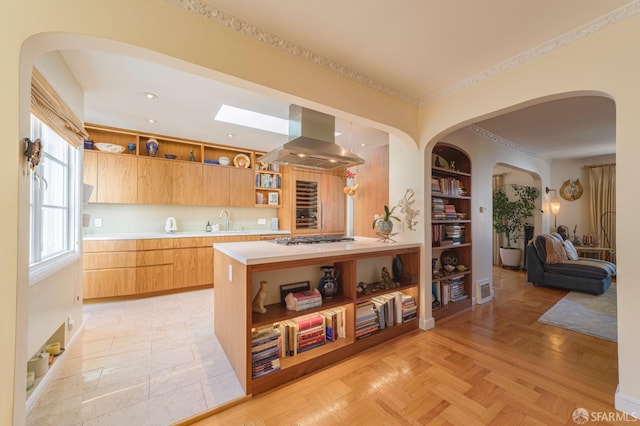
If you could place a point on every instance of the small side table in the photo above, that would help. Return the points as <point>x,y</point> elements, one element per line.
<point>602,253</point>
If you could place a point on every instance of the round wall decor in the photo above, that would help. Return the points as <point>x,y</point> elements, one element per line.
<point>571,191</point>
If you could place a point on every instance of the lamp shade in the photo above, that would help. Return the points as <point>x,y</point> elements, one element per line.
<point>555,205</point>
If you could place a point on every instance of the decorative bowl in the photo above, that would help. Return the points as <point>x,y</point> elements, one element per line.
<point>241,160</point>
<point>170,156</point>
<point>109,147</point>
<point>449,268</point>
<point>461,268</point>
<point>224,161</point>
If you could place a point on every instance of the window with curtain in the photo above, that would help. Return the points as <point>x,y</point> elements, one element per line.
<point>602,191</point>
<point>54,194</point>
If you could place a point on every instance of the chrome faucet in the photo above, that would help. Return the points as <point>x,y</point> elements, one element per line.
<point>222,213</point>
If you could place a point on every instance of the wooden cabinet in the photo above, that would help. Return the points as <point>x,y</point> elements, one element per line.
<point>117,179</point>
<point>314,202</point>
<point>108,269</point>
<point>451,230</point>
<point>90,172</point>
<point>155,181</point>
<point>242,188</point>
<point>234,317</point>
<point>193,262</point>
<point>216,185</point>
<point>187,183</point>
<point>374,195</point>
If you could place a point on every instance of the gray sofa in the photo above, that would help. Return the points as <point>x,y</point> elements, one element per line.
<point>549,266</point>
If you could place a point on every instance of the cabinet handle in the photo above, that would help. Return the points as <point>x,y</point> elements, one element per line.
<point>321,216</point>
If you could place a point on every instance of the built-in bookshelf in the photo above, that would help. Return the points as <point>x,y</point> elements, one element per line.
<point>451,284</point>
<point>371,306</point>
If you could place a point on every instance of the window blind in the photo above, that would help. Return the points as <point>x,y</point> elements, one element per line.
<point>49,107</point>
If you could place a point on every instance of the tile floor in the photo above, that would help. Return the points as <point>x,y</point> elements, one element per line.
<point>150,361</point>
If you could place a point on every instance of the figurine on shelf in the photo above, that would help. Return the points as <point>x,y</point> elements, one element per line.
<point>258,301</point>
<point>387,282</point>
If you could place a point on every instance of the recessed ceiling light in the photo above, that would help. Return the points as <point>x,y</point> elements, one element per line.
<point>149,95</point>
<point>152,121</point>
<point>230,135</point>
<point>255,120</point>
<point>363,144</point>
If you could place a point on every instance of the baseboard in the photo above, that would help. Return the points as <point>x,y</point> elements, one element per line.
<point>427,324</point>
<point>44,382</point>
<point>626,404</point>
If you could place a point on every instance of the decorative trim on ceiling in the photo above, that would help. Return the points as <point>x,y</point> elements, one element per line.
<point>578,33</point>
<point>223,18</point>
<point>199,7</point>
<point>499,139</point>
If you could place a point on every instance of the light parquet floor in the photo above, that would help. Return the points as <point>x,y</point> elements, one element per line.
<point>492,365</point>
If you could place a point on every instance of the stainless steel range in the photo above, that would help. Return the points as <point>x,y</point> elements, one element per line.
<point>312,239</point>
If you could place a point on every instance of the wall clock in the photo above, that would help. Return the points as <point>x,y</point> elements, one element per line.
<point>571,191</point>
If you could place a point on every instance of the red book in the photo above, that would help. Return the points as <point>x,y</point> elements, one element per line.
<point>309,321</point>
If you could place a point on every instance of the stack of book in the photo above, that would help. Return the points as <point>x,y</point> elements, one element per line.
<point>408,307</point>
<point>449,185</point>
<point>302,300</point>
<point>437,209</point>
<point>334,321</point>
<point>435,185</point>
<point>302,333</point>
<point>386,306</point>
<point>367,321</point>
<point>264,180</point>
<point>265,351</point>
<point>456,291</point>
<point>455,233</point>
<point>450,212</point>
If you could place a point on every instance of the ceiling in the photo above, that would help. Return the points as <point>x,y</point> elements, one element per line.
<point>417,50</point>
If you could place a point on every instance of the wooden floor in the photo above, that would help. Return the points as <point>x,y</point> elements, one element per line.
<point>493,365</point>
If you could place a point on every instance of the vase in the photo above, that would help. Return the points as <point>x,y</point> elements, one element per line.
<point>328,286</point>
<point>396,267</point>
<point>385,227</point>
<point>152,147</point>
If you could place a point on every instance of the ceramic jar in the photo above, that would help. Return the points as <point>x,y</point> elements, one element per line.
<point>328,286</point>
<point>152,147</point>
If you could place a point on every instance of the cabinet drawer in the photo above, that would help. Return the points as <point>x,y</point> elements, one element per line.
<point>194,242</point>
<point>108,283</point>
<point>154,244</point>
<point>108,260</point>
<point>154,278</point>
<point>154,257</point>
<point>95,246</point>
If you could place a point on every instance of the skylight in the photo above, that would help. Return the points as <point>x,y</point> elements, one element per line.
<point>255,120</point>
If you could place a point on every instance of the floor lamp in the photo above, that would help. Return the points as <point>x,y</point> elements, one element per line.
<point>554,204</point>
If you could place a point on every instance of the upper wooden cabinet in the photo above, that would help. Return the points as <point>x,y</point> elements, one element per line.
<point>187,184</point>
<point>155,181</point>
<point>242,181</point>
<point>117,179</point>
<point>90,173</point>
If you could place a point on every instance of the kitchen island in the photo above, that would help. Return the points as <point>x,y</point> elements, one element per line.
<point>241,267</point>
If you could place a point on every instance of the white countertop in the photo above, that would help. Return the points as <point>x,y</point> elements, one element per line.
<point>148,235</point>
<point>260,252</point>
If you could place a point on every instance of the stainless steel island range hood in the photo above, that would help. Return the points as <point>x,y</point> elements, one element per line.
<point>311,143</point>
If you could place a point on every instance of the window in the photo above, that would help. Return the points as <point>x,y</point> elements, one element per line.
<point>54,204</point>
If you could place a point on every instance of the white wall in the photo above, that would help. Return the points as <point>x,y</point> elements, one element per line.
<point>131,218</point>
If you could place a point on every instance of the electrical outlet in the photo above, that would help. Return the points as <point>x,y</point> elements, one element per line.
<point>230,273</point>
<point>97,222</point>
<point>262,221</point>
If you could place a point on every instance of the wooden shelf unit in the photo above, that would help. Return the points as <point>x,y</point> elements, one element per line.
<point>451,187</point>
<point>230,323</point>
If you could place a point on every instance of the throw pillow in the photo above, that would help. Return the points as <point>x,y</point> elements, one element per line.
<point>572,253</point>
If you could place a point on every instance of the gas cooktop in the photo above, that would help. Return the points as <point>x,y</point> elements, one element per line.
<point>312,239</point>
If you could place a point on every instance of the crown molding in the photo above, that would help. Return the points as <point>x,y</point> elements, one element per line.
<point>591,27</point>
<point>499,139</point>
<point>218,16</point>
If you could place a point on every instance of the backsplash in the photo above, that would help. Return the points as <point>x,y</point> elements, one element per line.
<point>133,218</point>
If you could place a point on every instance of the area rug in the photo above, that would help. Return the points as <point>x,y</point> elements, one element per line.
<point>586,313</point>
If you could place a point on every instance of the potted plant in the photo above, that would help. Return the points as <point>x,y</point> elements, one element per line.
<point>385,226</point>
<point>510,215</point>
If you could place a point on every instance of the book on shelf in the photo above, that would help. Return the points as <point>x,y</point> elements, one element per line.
<point>300,301</point>
<point>266,350</point>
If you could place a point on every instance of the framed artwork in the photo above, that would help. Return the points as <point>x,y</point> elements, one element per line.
<point>273,198</point>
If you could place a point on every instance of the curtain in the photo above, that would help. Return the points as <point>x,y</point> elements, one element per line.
<point>602,218</point>
<point>51,109</point>
<point>497,182</point>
